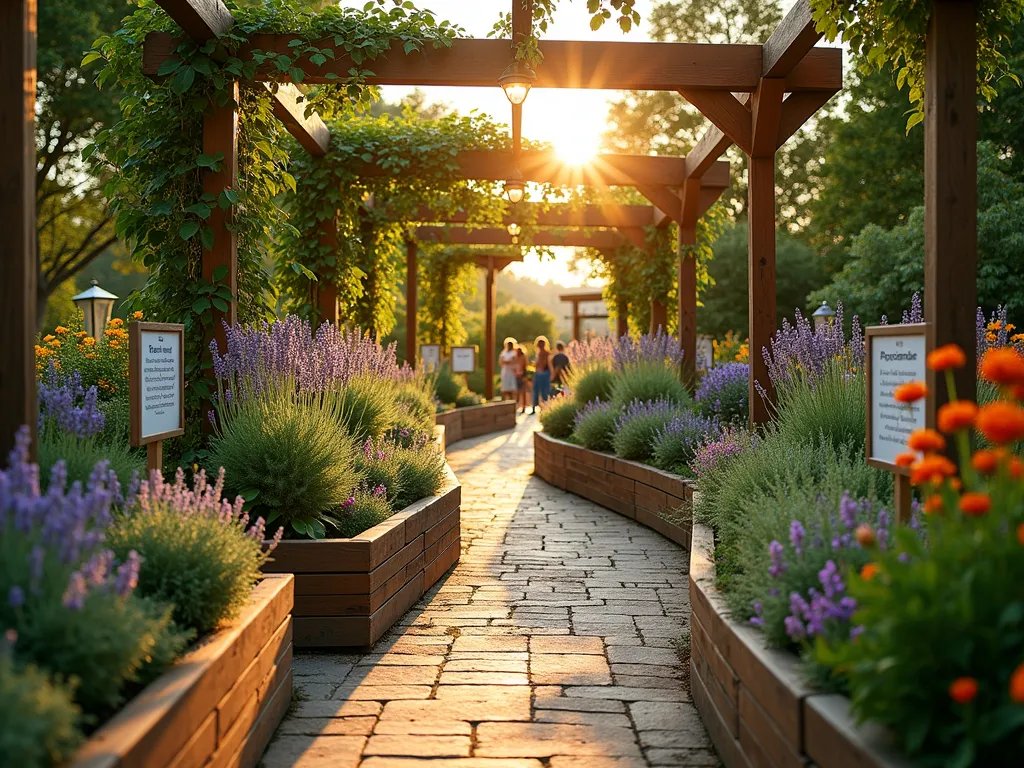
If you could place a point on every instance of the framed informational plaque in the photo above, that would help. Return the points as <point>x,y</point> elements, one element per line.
<point>156,386</point>
<point>430,354</point>
<point>464,359</point>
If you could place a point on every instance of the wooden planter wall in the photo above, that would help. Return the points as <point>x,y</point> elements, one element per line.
<point>348,592</point>
<point>219,705</point>
<point>753,700</point>
<point>632,489</point>
<point>461,423</point>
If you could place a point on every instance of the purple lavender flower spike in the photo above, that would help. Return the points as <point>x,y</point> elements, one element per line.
<point>778,566</point>
<point>797,533</point>
<point>16,597</point>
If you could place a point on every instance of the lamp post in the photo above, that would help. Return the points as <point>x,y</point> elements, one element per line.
<point>96,305</point>
<point>823,315</point>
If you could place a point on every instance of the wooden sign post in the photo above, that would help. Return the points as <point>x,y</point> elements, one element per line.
<point>464,359</point>
<point>156,379</point>
<point>894,355</point>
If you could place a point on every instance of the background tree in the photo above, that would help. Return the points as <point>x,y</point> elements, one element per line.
<point>73,224</point>
<point>886,266</point>
<point>798,271</point>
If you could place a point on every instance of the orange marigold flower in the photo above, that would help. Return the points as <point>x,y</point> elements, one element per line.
<point>49,337</point>
<point>1017,684</point>
<point>869,571</point>
<point>117,322</point>
<point>933,504</point>
<point>55,343</point>
<point>1001,422</point>
<point>945,357</point>
<point>975,503</point>
<point>985,462</point>
<point>955,484</point>
<point>60,329</point>
<point>1003,366</point>
<point>1020,534</point>
<point>136,315</point>
<point>865,535</point>
<point>994,325</point>
<point>932,469</point>
<point>957,415</point>
<point>905,459</point>
<point>910,392</point>
<point>926,441</point>
<point>963,690</point>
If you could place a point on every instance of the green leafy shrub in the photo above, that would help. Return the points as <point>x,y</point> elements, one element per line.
<point>559,416</point>
<point>198,553</point>
<point>378,464</point>
<point>638,424</point>
<point>368,407</point>
<point>38,719</point>
<point>468,399</point>
<point>287,454</point>
<point>363,510</point>
<point>591,382</point>
<point>647,383</point>
<point>81,454</point>
<point>595,426</point>
<point>447,387</point>
<point>416,400</point>
<point>422,469</point>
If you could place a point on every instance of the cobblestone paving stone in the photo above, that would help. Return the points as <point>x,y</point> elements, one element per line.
<point>552,643</point>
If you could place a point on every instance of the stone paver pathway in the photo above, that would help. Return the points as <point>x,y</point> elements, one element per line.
<point>553,642</point>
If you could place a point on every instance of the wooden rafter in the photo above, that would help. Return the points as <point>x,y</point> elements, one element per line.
<point>566,64</point>
<point>605,238</point>
<point>311,132</point>
<point>790,43</point>
<point>498,262</point>
<point>554,215</point>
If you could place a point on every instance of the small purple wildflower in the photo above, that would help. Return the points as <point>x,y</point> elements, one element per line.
<point>796,536</point>
<point>778,566</point>
<point>592,407</point>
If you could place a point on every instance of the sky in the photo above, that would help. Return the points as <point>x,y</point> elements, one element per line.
<point>571,120</point>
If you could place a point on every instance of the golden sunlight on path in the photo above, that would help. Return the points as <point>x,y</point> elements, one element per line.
<point>553,640</point>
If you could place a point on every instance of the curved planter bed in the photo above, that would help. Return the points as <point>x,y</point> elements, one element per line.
<point>218,705</point>
<point>635,490</point>
<point>753,701</point>
<point>461,423</point>
<point>348,592</point>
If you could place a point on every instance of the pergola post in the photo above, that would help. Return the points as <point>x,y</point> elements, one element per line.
<point>659,316</point>
<point>489,330</point>
<point>577,322</point>
<point>766,109</point>
<point>220,136</point>
<point>950,191</point>
<point>687,301</point>
<point>18,213</point>
<point>411,314</point>
<point>621,318</point>
<point>326,291</point>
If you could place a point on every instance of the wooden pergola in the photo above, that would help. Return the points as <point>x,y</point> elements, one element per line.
<point>756,96</point>
<point>577,319</point>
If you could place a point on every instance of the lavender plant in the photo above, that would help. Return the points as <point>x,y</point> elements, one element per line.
<point>595,426</point>
<point>723,393</point>
<point>66,406</point>
<point>801,352</point>
<point>365,508</point>
<point>71,603</point>
<point>595,351</point>
<point>676,443</point>
<point>712,455</point>
<point>197,549</point>
<point>652,349</point>
<point>638,424</point>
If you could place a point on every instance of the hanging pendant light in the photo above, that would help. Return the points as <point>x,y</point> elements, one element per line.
<point>517,80</point>
<point>515,187</point>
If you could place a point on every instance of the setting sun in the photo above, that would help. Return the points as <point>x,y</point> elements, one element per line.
<point>576,145</point>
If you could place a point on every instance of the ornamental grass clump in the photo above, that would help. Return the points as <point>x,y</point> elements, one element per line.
<point>288,455</point>
<point>422,469</point>
<point>559,417</point>
<point>71,603</point>
<point>940,659</point>
<point>595,426</point>
<point>676,443</point>
<point>832,404</point>
<point>590,381</point>
<point>198,551</point>
<point>723,393</point>
<point>368,407</point>
<point>637,426</point>
<point>646,383</point>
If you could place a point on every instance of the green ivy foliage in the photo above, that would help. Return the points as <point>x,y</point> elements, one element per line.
<point>891,33</point>
<point>156,158</point>
<point>445,279</point>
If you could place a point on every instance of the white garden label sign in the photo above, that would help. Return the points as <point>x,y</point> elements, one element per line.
<point>896,355</point>
<point>430,354</point>
<point>463,359</point>
<point>156,379</point>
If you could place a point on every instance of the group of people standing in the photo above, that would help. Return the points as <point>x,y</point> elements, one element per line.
<point>549,370</point>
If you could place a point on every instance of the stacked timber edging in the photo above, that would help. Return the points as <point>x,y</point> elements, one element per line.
<point>348,592</point>
<point>218,705</point>
<point>632,489</point>
<point>752,699</point>
<point>462,423</point>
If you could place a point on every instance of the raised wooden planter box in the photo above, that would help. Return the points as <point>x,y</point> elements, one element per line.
<point>461,423</point>
<point>348,592</point>
<point>219,705</point>
<point>632,489</point>
<point>752,699</point>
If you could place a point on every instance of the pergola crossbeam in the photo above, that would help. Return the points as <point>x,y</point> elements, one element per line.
<point>310,131</point>
<point>790,43</point>
<point>605,238</point>
<point>566,64</point>
<point>554,215</point>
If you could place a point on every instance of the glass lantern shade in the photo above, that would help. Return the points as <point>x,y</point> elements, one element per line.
<point>823,315</point>
<point>96,305</point>
<point>516,81</point>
